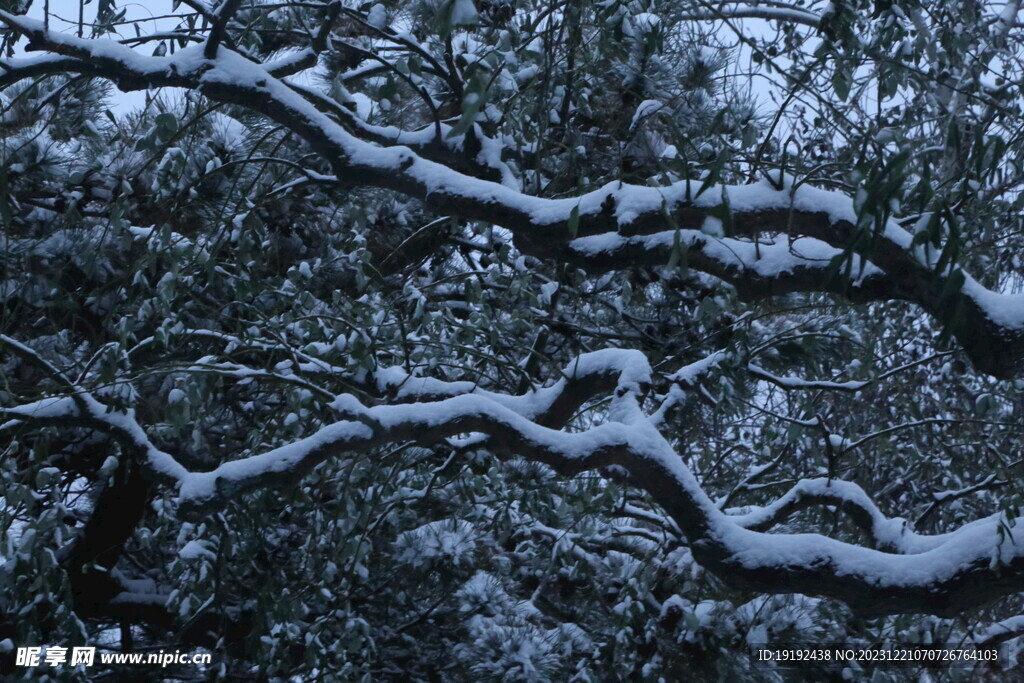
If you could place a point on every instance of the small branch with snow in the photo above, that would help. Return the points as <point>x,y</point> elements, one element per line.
<point>989,483</point>
<point>714,11</point>
<point>789,383</point>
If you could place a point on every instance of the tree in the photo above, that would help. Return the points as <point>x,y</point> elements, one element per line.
<point>294,354</point>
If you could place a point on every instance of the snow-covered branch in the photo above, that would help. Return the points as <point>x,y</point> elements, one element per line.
<point>616,226</point>
<point>915,573</point>
<point>713,11</point>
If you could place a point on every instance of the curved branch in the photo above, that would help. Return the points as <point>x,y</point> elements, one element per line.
<point>793,15</point>
<point>599,229</point>
<point>941,498</point>
<point>939,574</point>
<point>890,535</point>
<point>31,356</point>
<point>1000,632</point>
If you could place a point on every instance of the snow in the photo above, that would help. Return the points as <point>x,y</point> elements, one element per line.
<point>203,485</point>
<point>791,382</point>
<point>631,367</point>
<point>463,12</point>
<point>377,17</point>
<point>1005,310</point>
<point>125,423</point>
<point>689,374</point>
<point>53,406</point>
<point>451,540</point>
<point>129,598</point>
<point>644,110</point>
<point>959,493</point>
<point>1000,630</point>
<point>955,553</point>
<point>769,257</point>
<point>196,550</point>
<point>646,22</point>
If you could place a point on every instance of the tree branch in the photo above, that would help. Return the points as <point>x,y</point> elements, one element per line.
<point>939,574</point>
<point>615,225</point>
<point>221,18</point>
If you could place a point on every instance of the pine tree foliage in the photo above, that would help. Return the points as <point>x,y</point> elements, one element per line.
<point>505,340</point>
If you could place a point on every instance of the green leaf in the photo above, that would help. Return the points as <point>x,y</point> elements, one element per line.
<point>166,124</point>
<point>473,101</point>
<point>841,84</point>
<point>573,224</point>
<point>678,257</point>
<point>715,172</point>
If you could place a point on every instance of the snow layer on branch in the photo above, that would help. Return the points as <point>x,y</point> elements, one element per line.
<point>631,367</point>
<point>1006,310</point>
<point>129,598</point>
<point>689,374</point>
<point>962,549</point>
<point>54,406</point>
<point>634,200</point>
<point>798,382</point>
<point>202,485</point>
<point>891,532</point>
<point>1002,629</point>
<point>924,560</point>
<point>768,258</point>
<point>159,461</point>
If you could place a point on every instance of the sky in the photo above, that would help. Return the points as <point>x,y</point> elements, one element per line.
<point>156,15</point>
<point>64,17</point>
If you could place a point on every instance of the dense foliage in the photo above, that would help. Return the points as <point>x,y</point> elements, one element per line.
<point>204,271</point>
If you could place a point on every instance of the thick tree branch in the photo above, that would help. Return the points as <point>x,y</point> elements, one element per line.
<point>618,224</point>
<point>935,574</point>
